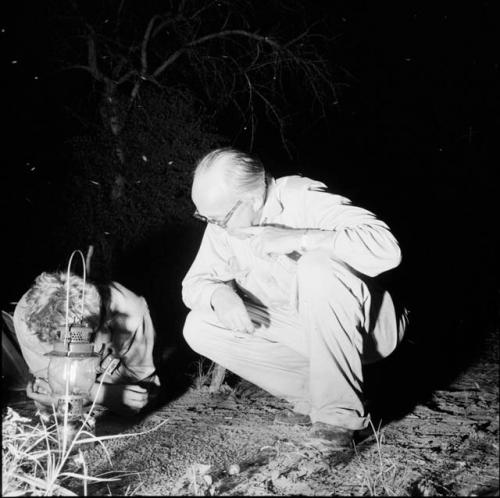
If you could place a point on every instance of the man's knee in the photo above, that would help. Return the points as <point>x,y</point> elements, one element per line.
<point>193,330</point>
<point>318,271</point>
<point>313,262</point>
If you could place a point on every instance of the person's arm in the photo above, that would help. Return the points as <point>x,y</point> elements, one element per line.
<point>353,235</point>
<point>328,222</point>
<point>127,356</point>
<point>124,399</point>
<point>206,285</point>
<point>209,270</point>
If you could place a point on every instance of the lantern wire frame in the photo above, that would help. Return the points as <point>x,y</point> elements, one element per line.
<point>84,276</point>
<point>66,338</point>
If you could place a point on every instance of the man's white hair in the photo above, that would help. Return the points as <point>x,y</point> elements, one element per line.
<point>243,173</point>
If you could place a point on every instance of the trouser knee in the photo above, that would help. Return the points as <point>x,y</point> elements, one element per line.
<point>193,330</point>
<point>319,275</point>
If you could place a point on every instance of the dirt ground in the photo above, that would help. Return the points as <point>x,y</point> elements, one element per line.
<point>228,444</point>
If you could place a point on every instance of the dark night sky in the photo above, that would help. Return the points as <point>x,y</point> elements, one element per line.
<point>411,138</point>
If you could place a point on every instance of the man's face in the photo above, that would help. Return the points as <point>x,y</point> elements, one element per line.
<point>216,204</point>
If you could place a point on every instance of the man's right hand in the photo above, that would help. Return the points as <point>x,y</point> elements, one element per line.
<point>231,310</point>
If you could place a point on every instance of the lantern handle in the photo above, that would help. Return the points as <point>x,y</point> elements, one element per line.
<point>66,332</point>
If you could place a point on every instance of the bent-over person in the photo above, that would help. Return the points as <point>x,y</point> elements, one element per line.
<point>124,336</point>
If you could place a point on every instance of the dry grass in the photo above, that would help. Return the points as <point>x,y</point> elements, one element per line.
<point>44,459</point>
<point>380,475</point>
<point>202,374</point>
<point>36,461</point>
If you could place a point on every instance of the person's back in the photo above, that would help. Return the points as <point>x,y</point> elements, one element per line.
<point>124,337</point>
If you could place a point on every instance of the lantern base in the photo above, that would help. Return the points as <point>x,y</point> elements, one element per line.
<point>68,429</point>
<point>73,405</point>
<point>71,419</point>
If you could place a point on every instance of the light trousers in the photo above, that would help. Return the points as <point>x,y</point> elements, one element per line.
<point>311,354</point>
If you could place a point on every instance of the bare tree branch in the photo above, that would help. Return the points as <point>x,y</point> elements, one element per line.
<point>212,36</point>
<point>92,57</point>
<point>251,108</point>
<point>279,120</point>
<point>144,46</point>
<point>119,16</point>
<point>242,69</point>
<point>197,14</point>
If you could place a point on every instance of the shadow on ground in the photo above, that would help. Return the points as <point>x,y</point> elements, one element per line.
<point>454,307</point>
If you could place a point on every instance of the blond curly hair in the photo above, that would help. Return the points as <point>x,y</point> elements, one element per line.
<point>46,300</point>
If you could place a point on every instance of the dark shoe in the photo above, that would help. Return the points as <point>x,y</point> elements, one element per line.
<point>289,417</point>
<point>331,435</point>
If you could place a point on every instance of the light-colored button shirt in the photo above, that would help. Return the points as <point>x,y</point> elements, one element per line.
<point>128,337</point>
<point>359,239</point>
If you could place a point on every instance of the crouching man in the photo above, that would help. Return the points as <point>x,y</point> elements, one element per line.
<point>124,337</point>
<point>282,290</point>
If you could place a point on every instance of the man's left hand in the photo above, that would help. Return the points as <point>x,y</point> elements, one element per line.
<point>38,390</point>
<point>269,241</point>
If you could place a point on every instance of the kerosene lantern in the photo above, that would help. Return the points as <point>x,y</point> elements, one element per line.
<point>72,369</point>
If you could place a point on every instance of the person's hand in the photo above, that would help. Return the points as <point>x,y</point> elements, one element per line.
<point>267,241</point>
<point>125,399</point>
<point>38,390</point>
<point>231,310</point>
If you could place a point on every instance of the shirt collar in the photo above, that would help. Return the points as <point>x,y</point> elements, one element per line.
<point>273,206</point>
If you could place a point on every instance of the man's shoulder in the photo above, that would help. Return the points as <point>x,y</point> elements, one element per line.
<point>118,287</point>
<point>124,299</point>
<point>302,191</point>
<point>294,187</point>
<point>298,183</point>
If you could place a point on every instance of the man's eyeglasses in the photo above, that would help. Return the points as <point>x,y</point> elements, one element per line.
<point>221,223</point>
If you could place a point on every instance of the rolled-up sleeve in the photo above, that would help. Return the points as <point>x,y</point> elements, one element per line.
<point>369,247</point>
<point>209,271</point>
<point>359,238</point>
<point>132,339</point>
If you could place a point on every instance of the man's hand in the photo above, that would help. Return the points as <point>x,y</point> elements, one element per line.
<point>125,399</point>
<point>268,241</point>
<point>231,310</point>
<point>38,390</point>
